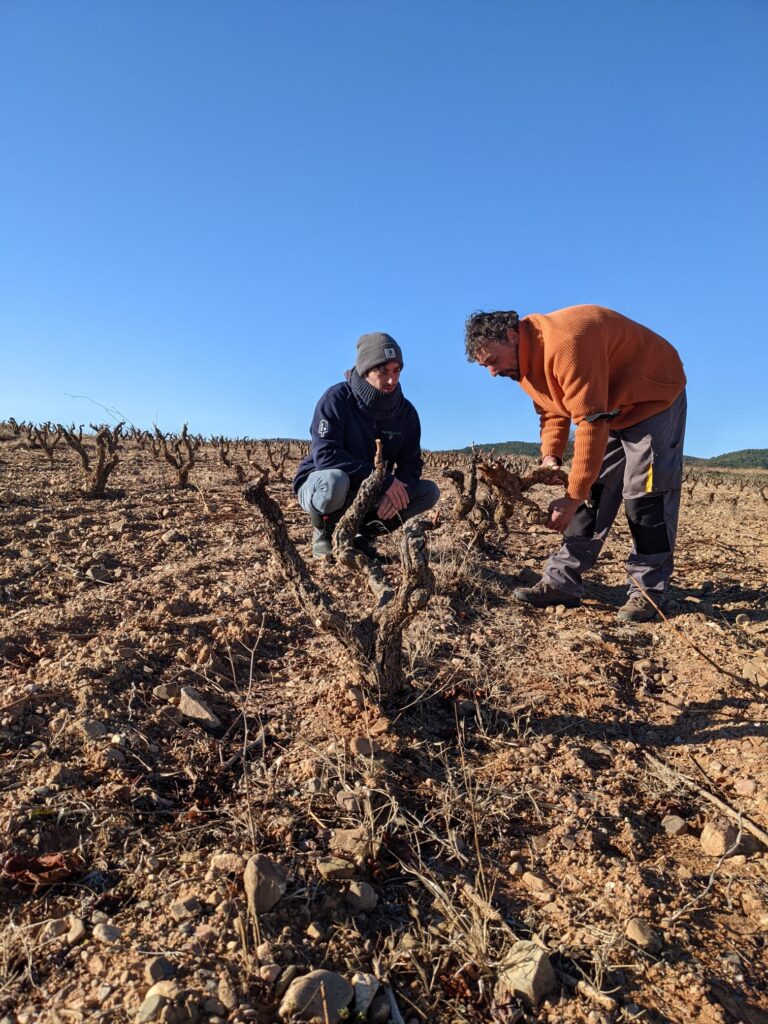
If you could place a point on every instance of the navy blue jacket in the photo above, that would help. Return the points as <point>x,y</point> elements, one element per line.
<point>344,437</point>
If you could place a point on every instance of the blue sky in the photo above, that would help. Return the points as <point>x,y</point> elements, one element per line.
<point>204,204</point>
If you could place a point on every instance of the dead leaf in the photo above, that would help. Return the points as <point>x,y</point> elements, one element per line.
<point>42,869</point>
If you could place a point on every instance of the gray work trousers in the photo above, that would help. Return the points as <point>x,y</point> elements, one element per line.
<point>643,465</point>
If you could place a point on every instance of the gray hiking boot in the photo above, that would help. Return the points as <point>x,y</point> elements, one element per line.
<point>545,595</point>
<point>637,609</point>
<point>321,543</point>
<point>323,533</point>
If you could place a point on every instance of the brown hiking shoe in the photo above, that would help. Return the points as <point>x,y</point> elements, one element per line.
<point>544,595</point>
<point>637,609</point>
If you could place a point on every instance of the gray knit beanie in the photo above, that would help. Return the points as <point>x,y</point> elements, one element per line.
<point>376,349</point>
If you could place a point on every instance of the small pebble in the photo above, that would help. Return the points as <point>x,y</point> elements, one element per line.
<point>106,933</point>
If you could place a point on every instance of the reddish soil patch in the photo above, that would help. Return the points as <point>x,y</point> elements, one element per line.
<point>511,791</point>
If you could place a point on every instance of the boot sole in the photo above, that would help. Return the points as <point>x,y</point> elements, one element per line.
<point>635,617</point>
<point>566,602</point>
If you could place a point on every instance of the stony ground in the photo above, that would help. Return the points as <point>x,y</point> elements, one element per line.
<point>200,806</point>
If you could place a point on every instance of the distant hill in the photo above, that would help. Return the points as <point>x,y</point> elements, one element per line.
<point>746,458</point>
<point>505,448</point>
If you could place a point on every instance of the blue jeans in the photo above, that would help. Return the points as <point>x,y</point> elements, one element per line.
<point>325,491</point>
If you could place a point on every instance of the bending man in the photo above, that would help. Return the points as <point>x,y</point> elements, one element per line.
<point>350,416</point>
<point>624,388</point>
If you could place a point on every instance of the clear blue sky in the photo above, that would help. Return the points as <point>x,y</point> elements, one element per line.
<point>203,204</point>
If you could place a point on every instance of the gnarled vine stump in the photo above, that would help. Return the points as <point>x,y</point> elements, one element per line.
<point>511,487</point>
<point>376,642</point>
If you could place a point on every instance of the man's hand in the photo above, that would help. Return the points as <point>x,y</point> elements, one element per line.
<point>394,500</point>
<point>561,512</point>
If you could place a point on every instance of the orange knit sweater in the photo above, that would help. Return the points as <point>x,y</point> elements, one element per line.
<point>581,361</point>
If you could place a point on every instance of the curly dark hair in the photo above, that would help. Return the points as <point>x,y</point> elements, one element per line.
<point>481,329</point>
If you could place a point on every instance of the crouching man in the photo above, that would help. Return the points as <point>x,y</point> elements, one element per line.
<point>349,418</point>
<point>624,388</point>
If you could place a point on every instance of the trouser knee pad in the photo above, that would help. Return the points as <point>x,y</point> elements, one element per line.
<point>585,517</point>
<point>646,524</point>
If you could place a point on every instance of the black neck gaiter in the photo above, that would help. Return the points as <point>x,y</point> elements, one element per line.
<point>374,403</point>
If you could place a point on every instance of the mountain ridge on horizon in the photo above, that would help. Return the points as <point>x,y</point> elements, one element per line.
<point>743,458</point>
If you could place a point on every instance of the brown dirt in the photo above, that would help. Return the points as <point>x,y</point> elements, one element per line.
<point>521,742</point>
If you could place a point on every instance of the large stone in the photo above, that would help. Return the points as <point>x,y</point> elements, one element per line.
<point>99,573</point>
<point>158,969</point>
<point>106,933</point>
<point>226,993</point>
<point>92,729</point>
<point>745,787</point>
<point>674,825</point>
<point>352,842</point>
<point>366,986</point>
<point>348,801</point>
<point>641,933</point>
<point>76,931</point>
<point>525,974</point>
<point>265,953</point>
<point>355,695</point>
<point>364,747</point>
<point>265,884</point>
<point>718,837</point>
<point>192,705</point>
<point>112,757</point>
<point>151,1009</point>
<point>318,998</point>
<point>55,928</point>
<point>186,909</point>
<point>756,670</point>
<point>361,897</point>
<point>167,691</point>
<point>335,867</point>
<point>536,882</point>
<point>167,988</point>
<point>270,973</point>
<point>224,864</point>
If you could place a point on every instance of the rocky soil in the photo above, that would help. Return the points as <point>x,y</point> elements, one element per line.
<point>204,817</point>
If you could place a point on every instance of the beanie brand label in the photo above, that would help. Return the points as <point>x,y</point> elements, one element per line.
<point>389,352</point>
